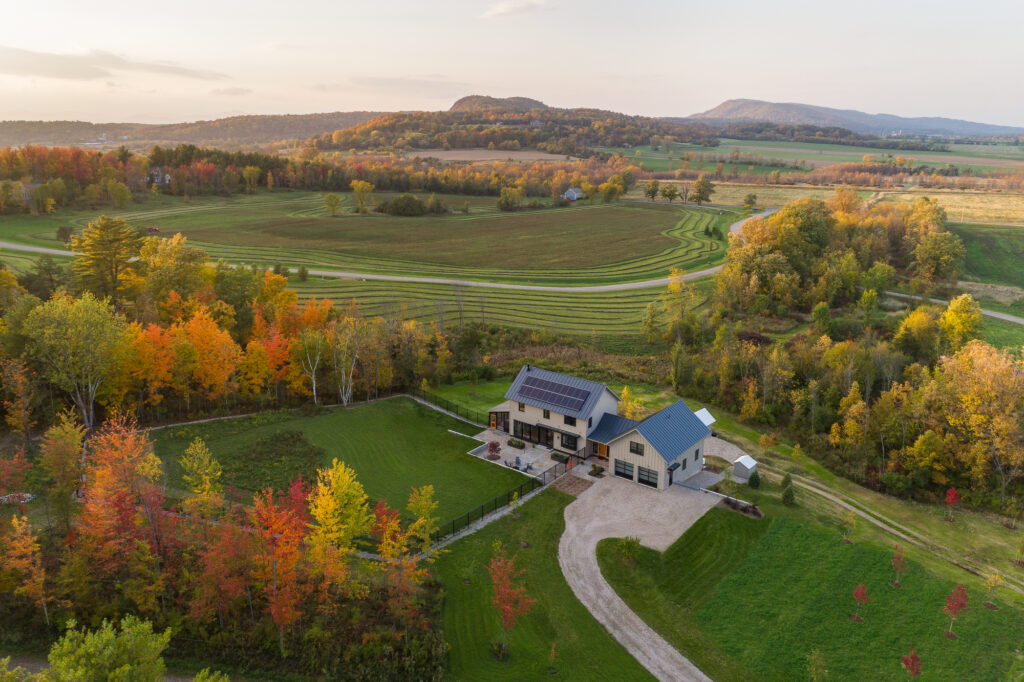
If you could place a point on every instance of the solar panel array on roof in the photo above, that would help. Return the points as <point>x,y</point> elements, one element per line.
<point>553,393</point>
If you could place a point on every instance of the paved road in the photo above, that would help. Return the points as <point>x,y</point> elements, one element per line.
<point>614,508</point>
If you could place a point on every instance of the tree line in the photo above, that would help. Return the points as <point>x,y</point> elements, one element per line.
<point>909,401</point>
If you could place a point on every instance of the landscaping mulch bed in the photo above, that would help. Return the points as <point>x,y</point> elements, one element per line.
<point>990,606</point>
<point>572,485</point>
<point>855,618</point>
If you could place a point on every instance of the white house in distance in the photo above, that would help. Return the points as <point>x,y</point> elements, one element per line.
<point>574,194</point>
<point>579,418</point>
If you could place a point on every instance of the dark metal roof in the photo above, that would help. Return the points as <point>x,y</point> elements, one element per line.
<point>521,393</point>
<point>611,427</point>
<point>673,430</point>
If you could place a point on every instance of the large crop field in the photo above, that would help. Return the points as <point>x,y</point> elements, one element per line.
<point>582,244</point>
<point>392,445</point>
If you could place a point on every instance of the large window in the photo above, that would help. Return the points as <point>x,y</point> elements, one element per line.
<point>636,448</point>
<point>569,442</point>
<point>594,448</point>
<point>623,469</point>
<point>647,477</point>
<point>570,421</point>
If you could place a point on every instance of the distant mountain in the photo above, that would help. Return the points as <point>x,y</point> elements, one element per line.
<point>227,133</point>
<point>485,103</point>
<point>734,110</point>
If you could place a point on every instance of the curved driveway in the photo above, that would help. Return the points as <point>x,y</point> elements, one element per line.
<point>614,508</point>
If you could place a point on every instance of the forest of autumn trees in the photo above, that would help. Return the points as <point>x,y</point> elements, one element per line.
<point>244,584</point>
<point>910,401</point>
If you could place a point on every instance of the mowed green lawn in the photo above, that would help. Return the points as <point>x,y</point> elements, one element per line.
<point>558,623</point>
<point>750,599</point>
<point>393,445</point>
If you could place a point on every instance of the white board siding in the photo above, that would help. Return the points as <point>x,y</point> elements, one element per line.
<point>619,449</point>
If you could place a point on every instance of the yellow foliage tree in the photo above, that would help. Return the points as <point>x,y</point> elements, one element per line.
<point>339,507</point>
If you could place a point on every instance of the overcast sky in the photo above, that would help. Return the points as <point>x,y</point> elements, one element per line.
<point>181,60</point>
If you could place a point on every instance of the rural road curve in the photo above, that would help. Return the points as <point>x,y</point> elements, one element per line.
<point>614,508</point>
<point>622,286</point>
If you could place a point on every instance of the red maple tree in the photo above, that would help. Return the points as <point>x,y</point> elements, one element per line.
<point>899,564</point>
<point>912,663</point>
<point>510,599</point>
<point>861,597</point>
<point>952,497</point>
<point>956,603</point>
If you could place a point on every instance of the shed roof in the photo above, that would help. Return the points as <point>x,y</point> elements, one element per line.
<point>746,461</point>
<point>580,408</point>
<point>705,416</point>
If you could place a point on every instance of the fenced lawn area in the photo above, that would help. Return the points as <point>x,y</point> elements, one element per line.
<point>750,599</point>
<point>393,445</point>
<point>558,639</point>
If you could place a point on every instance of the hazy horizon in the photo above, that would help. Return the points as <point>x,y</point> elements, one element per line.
<point>128,62</point>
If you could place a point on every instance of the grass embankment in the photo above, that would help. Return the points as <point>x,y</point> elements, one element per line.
<point>392,445</point>
<point>976,536</point>
<point>750,599</point>
<point>583,649</point>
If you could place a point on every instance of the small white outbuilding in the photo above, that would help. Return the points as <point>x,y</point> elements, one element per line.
<point>744,466</point>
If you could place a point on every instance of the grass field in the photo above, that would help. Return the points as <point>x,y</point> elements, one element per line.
<point>558,621</point>
<point>582,244</point>
<point>613,312</point>
<point>392,445</point>
<point>978,535</point>
<point>751,599</point>
<point>658,160</point>
<point>995,254</point>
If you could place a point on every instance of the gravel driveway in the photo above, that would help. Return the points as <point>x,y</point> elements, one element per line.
<point>613,507</point>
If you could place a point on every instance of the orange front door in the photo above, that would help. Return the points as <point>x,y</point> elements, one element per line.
<point>602,451</point>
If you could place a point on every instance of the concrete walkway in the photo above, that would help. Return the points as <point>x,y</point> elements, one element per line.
<point>611,508</point>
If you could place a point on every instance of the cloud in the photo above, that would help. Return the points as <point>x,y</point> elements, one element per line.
<point>431,85</point>
<point>230,92</point>
<point>507,8</point>
<point>87,66</point>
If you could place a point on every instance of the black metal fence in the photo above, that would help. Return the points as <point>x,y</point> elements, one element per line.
<point>502,501</point>
<point>482,418</point>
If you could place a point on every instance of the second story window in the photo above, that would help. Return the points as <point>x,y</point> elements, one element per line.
<point>547,414</point>
<point>636,448</point>
<point>570,421</point>
<point>522,407</point>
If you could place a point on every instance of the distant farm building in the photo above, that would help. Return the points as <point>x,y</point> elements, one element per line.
<point>574,194</point>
